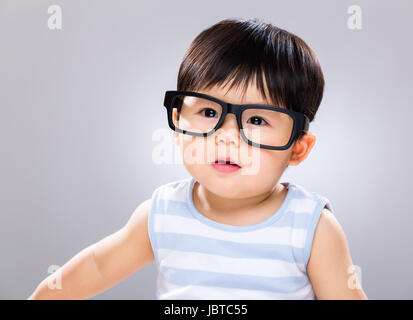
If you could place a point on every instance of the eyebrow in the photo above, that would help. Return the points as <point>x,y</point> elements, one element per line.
<point>225,100</point>
<point>261,102</point>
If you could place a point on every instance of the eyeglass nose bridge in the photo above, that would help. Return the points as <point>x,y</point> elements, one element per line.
<point>235,109</point>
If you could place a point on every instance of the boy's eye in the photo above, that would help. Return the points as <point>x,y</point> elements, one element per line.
<point>209,113</point>
<point>256,120</point>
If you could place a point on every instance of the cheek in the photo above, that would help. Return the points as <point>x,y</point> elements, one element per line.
<point>272,163</point>
<point>194,151</point>
<point>195,159</point>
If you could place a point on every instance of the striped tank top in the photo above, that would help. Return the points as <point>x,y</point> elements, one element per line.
<point>199,258</point>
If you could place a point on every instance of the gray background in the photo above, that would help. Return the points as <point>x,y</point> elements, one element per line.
<point>79,107</point>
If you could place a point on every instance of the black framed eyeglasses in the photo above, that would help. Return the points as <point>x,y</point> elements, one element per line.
<point>262,126</point>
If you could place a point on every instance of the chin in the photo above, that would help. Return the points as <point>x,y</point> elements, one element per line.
<point>225,187</point>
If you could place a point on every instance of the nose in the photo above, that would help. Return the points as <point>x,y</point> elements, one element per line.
<point>228,132</point>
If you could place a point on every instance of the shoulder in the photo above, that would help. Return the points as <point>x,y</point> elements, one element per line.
<point>329,245</point>
<point>330,266</point>
<point>329,226</point>
<point>328,234</point>
<point>137,224</point>
<point>139,218</point>
<point>172,191</point>
<point>176,184</point>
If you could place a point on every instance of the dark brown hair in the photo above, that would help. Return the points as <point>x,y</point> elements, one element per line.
<point>238,51</point>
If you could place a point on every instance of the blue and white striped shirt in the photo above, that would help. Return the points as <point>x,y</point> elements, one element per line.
<point>198,258</point>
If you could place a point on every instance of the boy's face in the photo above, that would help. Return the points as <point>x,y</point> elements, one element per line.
<point>260,169</point>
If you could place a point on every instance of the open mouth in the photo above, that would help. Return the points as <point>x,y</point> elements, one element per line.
<point>227,165</point>
<point>226,162</point>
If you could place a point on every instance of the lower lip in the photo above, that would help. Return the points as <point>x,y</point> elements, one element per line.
<point>227,168</point>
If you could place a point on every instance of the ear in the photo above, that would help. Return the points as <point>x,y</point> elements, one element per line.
<point>302,148</point>
<point>176,134</point>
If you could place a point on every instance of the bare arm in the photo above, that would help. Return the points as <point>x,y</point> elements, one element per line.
<point>104,263</point>
<point>330,262</point>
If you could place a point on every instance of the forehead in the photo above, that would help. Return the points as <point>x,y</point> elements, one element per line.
<point>236,95</point>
